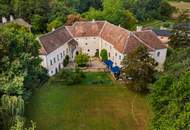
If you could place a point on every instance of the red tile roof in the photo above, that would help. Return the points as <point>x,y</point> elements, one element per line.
<point>86,29</point>
<point>123,40</point>
<point>54,40</point>
<point>149,38</point>
<point>115,35</point>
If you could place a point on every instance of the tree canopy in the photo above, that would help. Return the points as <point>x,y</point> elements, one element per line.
<point>138,69</point>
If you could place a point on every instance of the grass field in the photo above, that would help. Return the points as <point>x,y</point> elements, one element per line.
<point>88,107</point>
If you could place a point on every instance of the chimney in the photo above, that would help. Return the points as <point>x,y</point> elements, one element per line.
<point>53,29</point>
<point>11,18</point>
<point>139,28</point>
<point>119,25</point>
<point>93,20</point>
<point>4,20</point>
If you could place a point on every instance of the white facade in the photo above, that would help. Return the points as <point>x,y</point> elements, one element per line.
<point>159,56</point>
<point>113,54</point>
<point>53,62</point>
<point>89,45</point>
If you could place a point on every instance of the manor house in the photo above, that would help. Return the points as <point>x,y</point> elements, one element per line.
<point>93,36</point>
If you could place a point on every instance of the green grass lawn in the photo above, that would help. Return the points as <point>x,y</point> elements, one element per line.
<point>55,106</point>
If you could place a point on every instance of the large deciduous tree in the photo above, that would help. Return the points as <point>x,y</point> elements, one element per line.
<point>19,60</point>
<point>171,103</point>
<point>72,18</point>
<point>114,12</point>
<point>138,69</point>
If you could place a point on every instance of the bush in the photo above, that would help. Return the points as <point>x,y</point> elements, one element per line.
<point>66,61</point>
<point>71,77</point>
<point>82,59</point>
<point>104,54</point>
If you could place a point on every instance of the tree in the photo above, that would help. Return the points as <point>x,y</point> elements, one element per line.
<point>66,60</point>
<point>166,9</point>
<point>59,11</point>
<point>138,69</point>
<point>184,16</point>
<point>180,37</point>
<point>114,12</point>
<point>38,25</point>
<point>54,24</point>
<point>104,54</point>
<point>72,18</point>
<point>82,59</point>
<point>19,60</point>
<point>171,103</point>
<point>19,125</point>
<point>4,6</point>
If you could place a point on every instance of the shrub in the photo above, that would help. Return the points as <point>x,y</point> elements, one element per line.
<point>66,60</point>
<point>82,59</point>
<point>104,54</point>
<point>71,77</point>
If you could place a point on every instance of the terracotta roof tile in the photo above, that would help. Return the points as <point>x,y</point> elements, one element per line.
<point>123,40</point>
<point>115,35</point>
<point>55,39</point>
<point>86,28</point>
<point>132,44</point>
<point>150,38</point>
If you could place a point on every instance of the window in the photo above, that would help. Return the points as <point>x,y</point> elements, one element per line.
<point>54,60</point>
<point>57,57</point>
<point>88,50</point>
<point>94,38</point>
<point>51,62</point>
<point>115,54</point>
<point>110,47</point>
<point>120,57</point>
<point>67,50</point>
<point>86,44</point>
<point>109,54</point>
<point>158,54</point>
<point>52,72</point>
<point>63,53</point>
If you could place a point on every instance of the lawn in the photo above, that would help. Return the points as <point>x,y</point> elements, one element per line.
<point>110,106</point>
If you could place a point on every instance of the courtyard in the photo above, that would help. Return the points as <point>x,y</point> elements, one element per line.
<point>88,106</point>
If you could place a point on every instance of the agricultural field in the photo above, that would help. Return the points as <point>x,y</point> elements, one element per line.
<point>180,5</point>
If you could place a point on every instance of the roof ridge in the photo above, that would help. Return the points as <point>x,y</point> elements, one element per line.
<point>61,27</point>
<point>126,42</point>
<point>69,31</point>
<point>105,22</point>
<point>88,22</point>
